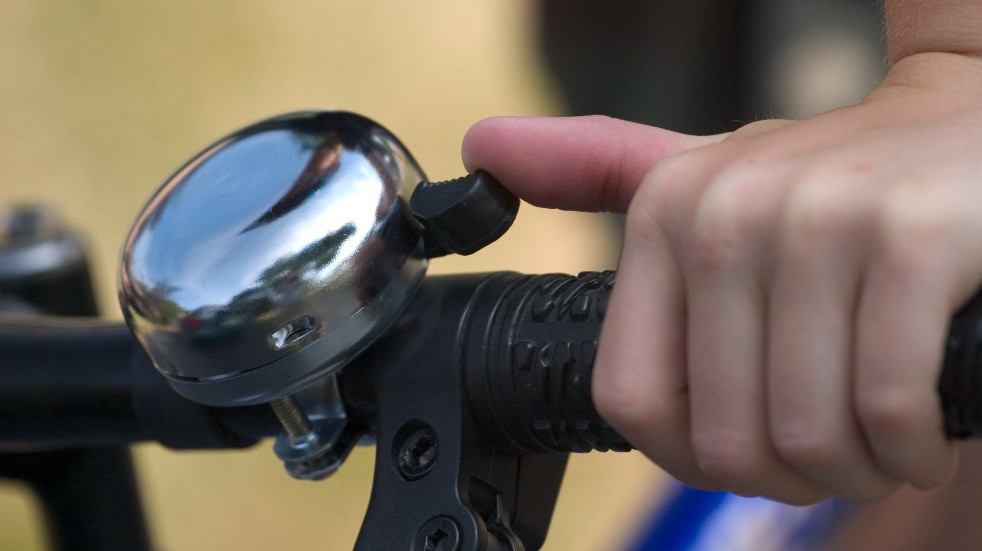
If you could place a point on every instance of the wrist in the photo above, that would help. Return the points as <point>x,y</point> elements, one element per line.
<point>922,26</point>
<point>935,82</point>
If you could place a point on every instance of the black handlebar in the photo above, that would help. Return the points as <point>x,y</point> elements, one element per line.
<point>529,351</point>
<point>960,384</point>
<point>530,360</point>
<point>474,396</point>
<point>81,383</point>
<point>539,347</point>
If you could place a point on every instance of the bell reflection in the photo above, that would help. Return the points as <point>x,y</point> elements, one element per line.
<point>273,254</point>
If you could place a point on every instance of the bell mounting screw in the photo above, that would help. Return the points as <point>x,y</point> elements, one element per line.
<point>292,417</point>
<point>308,451</point>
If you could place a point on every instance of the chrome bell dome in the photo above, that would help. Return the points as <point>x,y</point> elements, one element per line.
<point>274,256</point>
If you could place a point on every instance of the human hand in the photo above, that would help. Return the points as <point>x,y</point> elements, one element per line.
<point>784,291</point>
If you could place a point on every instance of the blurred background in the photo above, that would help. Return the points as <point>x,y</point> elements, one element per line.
<point>101,100</point>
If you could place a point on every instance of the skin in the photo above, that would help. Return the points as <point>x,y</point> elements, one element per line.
<point>783,294</point>
<point>913,520</point>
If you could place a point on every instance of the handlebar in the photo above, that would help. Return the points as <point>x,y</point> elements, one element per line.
<point>960,383</point>
<point>67,382</point>
<point>480,389</point>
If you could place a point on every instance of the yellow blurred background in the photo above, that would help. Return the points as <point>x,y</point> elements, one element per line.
<point>100,100</point>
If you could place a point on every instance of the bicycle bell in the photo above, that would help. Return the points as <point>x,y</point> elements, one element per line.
<point>278,253</point>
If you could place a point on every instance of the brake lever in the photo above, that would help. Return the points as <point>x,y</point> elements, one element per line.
<point>473,437</point>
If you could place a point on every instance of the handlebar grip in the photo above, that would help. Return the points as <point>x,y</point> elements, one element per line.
<point>529,376</point>
<point>540,333</point>
<point>960,384</point>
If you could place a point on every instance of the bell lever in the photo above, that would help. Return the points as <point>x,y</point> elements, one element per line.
<point>464,215</point>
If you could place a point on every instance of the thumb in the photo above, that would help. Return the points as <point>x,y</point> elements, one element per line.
<point>590,163</point>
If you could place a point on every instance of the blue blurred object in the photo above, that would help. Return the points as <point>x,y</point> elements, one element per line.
<point>695,520</point>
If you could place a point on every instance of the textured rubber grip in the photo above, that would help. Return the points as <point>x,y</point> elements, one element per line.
<point>960,385</point>
<point>533,342</point>
<point>539,340</point>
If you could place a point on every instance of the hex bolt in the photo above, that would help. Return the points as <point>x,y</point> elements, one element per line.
<point>438,534</point>
<point>418,452</point>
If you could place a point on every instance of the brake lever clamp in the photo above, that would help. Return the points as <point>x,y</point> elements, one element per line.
<point>275,256</point>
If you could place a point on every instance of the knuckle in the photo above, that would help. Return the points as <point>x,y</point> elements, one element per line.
<point>889,412</point>
<point>628,406</point>
<point>668,185</point>
<point>662,193</point>
<point>914,228</point>
<point>817,213</point>
<point>804,447</point>
<point>644,219</point>
<point>727,223</point>
<point>726,457</point>
<point>673,173</point>
<point>616,406</point>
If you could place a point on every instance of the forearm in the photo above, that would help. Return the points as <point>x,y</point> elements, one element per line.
<point>919,26</point>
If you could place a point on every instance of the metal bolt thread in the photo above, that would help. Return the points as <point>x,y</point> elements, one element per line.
<point>291,416</point>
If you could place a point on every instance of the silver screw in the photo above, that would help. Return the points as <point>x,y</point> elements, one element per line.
<point>305,453</point>
<point>292,417</point>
